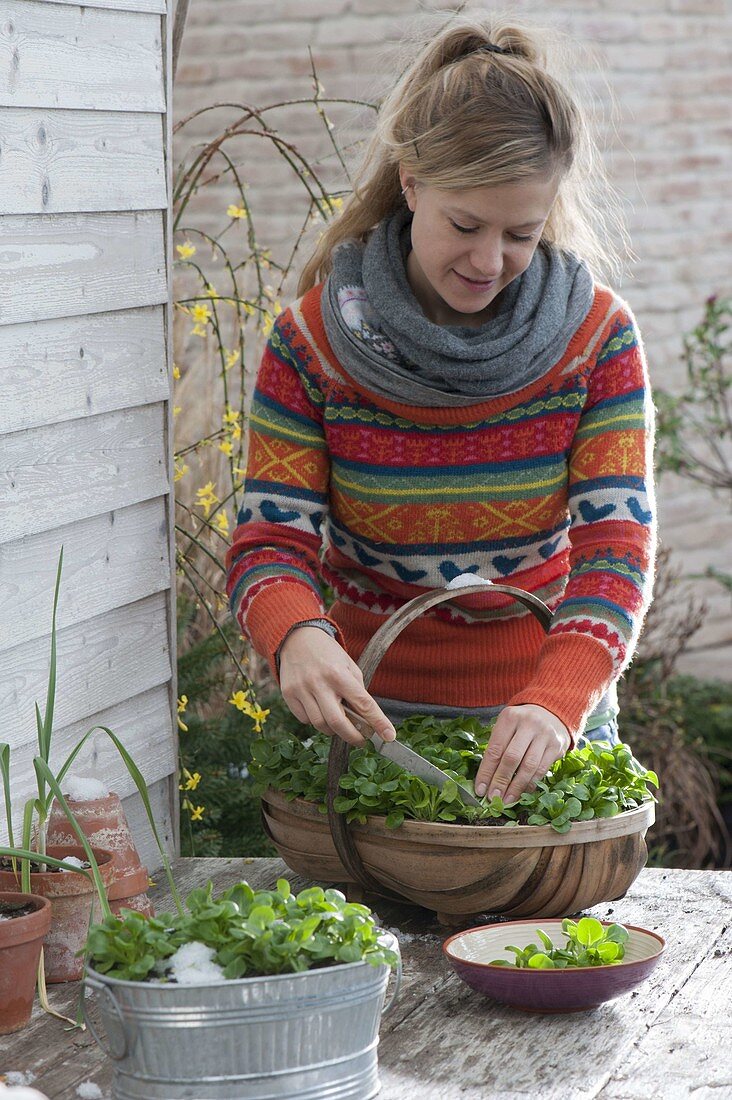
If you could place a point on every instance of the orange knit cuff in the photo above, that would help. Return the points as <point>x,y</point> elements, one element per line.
<point>274,610</point>
<point>573,673</point>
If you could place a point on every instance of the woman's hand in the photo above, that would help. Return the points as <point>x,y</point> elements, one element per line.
<point>316,674</point>
<point>525,742</point>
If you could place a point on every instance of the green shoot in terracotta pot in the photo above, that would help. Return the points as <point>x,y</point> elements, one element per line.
<point>36,810</point>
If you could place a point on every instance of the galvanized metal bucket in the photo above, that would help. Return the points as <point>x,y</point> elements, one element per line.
<point>312,1035</point>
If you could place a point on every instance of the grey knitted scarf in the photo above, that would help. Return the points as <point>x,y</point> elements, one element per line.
<point>385,342</point>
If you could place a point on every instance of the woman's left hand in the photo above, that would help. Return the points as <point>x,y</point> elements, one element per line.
<point>525,742</point>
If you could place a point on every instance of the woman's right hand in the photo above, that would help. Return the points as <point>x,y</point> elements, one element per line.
<point>316,675</point>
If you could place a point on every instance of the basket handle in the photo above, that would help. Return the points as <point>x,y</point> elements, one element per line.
<point>368,662</point>
<point>389,631</point>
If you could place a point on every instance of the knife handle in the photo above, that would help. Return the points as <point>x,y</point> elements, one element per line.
<point>362,725</point>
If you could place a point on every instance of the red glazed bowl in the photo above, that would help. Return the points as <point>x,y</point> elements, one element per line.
<point>575,989</point>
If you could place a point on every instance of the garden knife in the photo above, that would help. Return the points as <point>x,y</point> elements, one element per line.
<point>407,758</point>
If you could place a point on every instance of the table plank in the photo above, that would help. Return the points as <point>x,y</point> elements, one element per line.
<point>689,1038</point>
<point>445,1041</point>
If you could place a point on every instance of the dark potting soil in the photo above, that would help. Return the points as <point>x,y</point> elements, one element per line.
<point>10,909</point>
<point>6,864</point>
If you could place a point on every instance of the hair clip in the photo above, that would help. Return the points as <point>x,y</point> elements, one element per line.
<point>489,47</point>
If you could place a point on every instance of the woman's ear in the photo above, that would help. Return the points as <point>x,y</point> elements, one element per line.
<point>407,182</point>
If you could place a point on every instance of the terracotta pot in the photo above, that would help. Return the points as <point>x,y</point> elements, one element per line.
<point>103,823</point>
<point>463,870</point>
<point>130,892</point>
<point>72,897</point>
<point>21,939</point>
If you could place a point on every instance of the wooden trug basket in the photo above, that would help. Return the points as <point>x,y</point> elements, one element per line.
<point>458,870</point>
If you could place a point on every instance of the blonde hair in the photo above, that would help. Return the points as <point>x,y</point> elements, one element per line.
<point>463,116</point>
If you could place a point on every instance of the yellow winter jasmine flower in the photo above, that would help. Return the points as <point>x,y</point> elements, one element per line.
<point>180,470</point>
<point>336,204</point>
<point>190,781</point>
<point>176,409</point>
<point>182,704</point>
<point>221,523</point>
<point>232,416</point>
<point>230,357</point>
<point>185,251</point>
<point>252,710</point>
<point>207,498</point>
<point>234,211</point>
<point>249,309</point>
<point>259,717</point>
<point>267,322</point>
<point>197,813</point>
<point>176,371</point>
<point>200,313</point>
<point>239,471</point>
<point>236,431</point>
<point>211,291</point>
<point>198,330</point>
<point>226,447</point>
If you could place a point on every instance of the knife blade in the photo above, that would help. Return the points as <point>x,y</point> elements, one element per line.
<point>407,758</point>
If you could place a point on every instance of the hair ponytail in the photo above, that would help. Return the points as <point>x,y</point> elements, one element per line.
<point>475,107</point>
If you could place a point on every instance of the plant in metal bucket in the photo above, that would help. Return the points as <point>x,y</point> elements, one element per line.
<point>256,993</point>
<point>247,933</point>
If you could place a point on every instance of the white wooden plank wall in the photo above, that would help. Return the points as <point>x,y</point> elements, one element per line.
<point>85,313</point>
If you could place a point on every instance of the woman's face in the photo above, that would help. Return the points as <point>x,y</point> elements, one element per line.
<point>468,245</point>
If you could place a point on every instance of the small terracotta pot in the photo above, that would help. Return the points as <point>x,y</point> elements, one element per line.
<point>130,892</point>
<point>72,898</point>
<point>103,823</point>
<point>21,939</point>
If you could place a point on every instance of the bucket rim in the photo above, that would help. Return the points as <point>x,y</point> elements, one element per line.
<point>229,983</point>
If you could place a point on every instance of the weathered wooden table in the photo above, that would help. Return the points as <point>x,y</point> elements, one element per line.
<point>670,1038</point>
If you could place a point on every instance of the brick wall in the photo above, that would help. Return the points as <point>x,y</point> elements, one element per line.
<point>668,147</point>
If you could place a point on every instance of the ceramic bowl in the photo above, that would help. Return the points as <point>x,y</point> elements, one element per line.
<point>572,990</point>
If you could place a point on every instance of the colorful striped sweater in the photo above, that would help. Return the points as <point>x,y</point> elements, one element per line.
<point>546,489</point>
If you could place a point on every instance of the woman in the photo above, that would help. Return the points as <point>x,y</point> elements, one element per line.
<point>456,393</point>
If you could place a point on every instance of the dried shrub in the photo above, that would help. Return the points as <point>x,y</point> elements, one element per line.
<point>690,830</point>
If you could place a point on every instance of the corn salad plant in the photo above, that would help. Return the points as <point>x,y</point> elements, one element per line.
<point>253,933</point>
<point>589,943</point>
<point>593,781</point>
